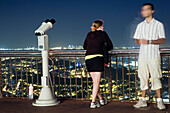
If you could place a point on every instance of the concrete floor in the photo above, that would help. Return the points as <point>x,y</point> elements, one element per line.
<point>73,106</point>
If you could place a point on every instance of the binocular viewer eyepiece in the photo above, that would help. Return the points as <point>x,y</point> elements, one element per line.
<point>46,25</point>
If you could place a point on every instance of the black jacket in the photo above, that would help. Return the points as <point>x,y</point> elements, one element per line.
<point>94,42</point>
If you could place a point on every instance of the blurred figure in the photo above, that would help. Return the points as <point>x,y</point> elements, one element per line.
<point>149,34</point>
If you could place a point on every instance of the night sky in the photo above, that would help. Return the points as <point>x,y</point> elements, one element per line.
<point>20,18</point>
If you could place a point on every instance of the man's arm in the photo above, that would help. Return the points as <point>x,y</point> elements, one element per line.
<point>159,41</point>
<point>137,41</point>
<point>143,41</point>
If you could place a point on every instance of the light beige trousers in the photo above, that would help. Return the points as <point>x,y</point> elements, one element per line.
<point>152,67</point>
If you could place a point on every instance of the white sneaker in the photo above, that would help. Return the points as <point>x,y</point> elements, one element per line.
<point>103,102</point>
<point>141,103</point>
<point>160,104</point>
<point>94,104</point>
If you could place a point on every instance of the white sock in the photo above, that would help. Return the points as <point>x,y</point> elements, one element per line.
<point>143,98</point>
<point>159,99</point>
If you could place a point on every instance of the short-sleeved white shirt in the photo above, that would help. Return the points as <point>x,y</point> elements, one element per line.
<point>149,31</point>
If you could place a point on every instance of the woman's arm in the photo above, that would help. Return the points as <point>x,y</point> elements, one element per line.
<point>109,42</point>
<point>85,43</point>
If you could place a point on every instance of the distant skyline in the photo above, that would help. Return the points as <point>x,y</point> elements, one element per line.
<point>20,18</point>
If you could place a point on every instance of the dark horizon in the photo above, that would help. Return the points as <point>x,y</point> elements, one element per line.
<point>19,19</point>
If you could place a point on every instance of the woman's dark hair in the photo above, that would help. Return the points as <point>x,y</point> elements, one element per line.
<point>99,22</point>
<point>152,6</point>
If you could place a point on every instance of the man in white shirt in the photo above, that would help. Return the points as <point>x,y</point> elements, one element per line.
<point>149,34</point>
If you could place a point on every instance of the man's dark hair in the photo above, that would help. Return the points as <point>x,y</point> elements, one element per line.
<point>99,22</point>
<point>152,6</point>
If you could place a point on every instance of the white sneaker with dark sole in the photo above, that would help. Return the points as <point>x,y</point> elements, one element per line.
<point>141,103</point>
<point>94,105</point>
<point>160,104</point>
<point>103,102</point>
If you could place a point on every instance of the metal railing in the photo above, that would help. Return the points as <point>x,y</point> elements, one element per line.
<point>70,78</point>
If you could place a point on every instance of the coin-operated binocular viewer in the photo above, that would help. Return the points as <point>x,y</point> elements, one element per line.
<point>46,98</point>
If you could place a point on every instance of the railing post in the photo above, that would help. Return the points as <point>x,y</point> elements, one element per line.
<point>1,95</point>
<point>169,77</point>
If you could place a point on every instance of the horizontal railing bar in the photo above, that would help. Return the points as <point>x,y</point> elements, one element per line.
<point>79,53</point>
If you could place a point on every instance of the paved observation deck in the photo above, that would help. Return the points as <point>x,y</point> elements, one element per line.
<point>74,106</point>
